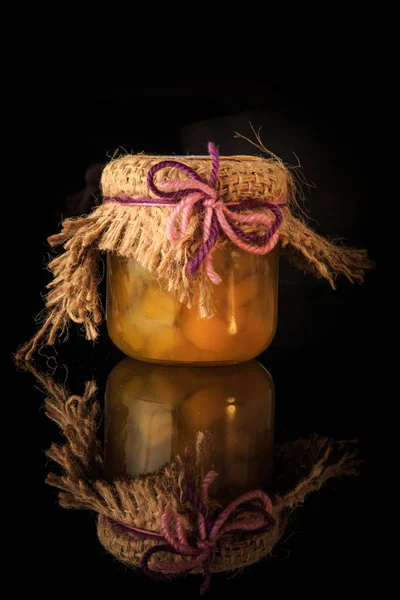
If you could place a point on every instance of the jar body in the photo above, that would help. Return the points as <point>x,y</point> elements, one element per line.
<point>147,323</point>
<point>153,414</point>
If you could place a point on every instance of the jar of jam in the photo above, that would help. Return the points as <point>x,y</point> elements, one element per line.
<point>147,322</point>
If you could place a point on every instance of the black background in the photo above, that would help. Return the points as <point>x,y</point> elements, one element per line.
<point>325,359</point>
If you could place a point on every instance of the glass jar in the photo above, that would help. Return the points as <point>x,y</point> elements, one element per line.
<point>154,413</point>
<point>146,322</point>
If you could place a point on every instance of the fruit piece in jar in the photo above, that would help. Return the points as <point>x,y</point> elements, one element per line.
<point>246,290</point>
<point>164,343</point>
<point>242,263</point>
<point>207,334</point>
<point>255,335</point>
<point>158,306</point>
<point>130,333</point>
<point>121,289</point>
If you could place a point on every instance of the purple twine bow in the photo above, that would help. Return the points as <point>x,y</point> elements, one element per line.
<point>193,193</point>
<point>239,515</point>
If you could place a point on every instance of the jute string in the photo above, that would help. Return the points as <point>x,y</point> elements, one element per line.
<point>148,233</point>
<point>159,502</point>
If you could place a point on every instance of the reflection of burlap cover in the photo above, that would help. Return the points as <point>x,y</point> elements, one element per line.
<point>301,467</point>
<point>134,231</point>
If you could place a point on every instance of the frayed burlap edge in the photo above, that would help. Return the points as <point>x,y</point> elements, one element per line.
<point>305,466</point>
<point>139,232</point>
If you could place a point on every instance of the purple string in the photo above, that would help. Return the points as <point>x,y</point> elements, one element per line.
<point>196,261</point>
<point>207,578</point>
<point>255,238</point>
<point>138,201</point>
<point>156,575</point>
<point>143,533</point>
<point>176,165</point>
<point>213,152</point>
<point>270,521</point>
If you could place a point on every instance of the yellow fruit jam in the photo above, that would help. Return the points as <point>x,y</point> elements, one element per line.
<point>146,322</point>
<point>154,413</point>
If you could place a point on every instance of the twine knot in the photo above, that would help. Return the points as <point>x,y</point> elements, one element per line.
<point>205,544</point>
<point>212,201</point>
<point>240,515</point>
<point>192,193</point>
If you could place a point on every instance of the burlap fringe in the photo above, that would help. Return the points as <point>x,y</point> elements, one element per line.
<point>318,256</point>
<point>139,232</point>
<point>303,467</point>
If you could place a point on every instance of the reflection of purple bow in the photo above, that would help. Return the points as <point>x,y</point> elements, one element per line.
<point>239,515</point>
<point>192,193</point>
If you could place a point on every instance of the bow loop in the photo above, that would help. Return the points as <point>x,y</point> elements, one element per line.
<point>197,548</point>
<point>193,193</point>
<point>241,514</point>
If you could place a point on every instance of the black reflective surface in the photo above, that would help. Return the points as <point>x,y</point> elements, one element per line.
<point>320,388</point>
<point>324,360</point>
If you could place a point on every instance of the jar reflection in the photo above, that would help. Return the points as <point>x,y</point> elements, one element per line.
<point>154,413</point>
